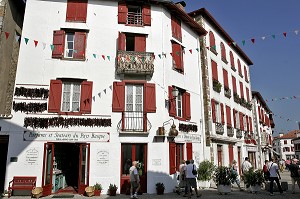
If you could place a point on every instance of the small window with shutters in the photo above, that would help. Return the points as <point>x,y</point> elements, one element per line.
<point>70,96</point>
<point>176,28</point>
<point>180,106</point>
<point>134,14</point>
<point>69,44</point>
<point>76,10</point>
<point>132,42</point>
<point>177,55</point>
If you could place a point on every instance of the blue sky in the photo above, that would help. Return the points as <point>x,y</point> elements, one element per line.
<point>276,62</point>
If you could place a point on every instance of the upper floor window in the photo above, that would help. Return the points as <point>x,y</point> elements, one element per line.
<point>69,44</point>
<point>240,68</point>
<point>223,53</point>
<point>246,74</point>
<point>217,112</point>
<point>228,116</point>
<point>179,106</point>
<point>177,54</point>
<point>134,14</point>
<point>234,84</point>
<point>237,120</point>
<point>70,96</point>
<point>214,70</point>
<point>232,60</point>
<point>176,28</point>
<point>212,42</point>
<point>76,10</point>
<point>242,89</point>
<point>285,141</point>
<point>248,94</point>
<point>132,42</point>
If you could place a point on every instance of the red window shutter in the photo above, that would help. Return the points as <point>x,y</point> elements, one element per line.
<point>118,104</point>
<point>179,34</point>
<point>79,45</point>
<point>231,59</point>
<point>222,114</point>
<point>177,55</point>
<point>211,39</point>
<point>213,110</point>
<point>147,15</point>
<point>189,151</point>
<point>59,43</point>
<point>228,116</point>
<point>248,95</point>
<point>259,113</point>
<point>173,26</point>
<point>140,43</point>
<point>121,41</point>
<point>234,84</point>
<point>234,118</point>
<point>225,76</point>
<point>230,148</point>
<point>241,121</point>
<point>71,10</point>
<point>122,12</point>
<point>186,105</point>
<point>214,69</point>
<point>223,51</point>
<point>172,103</point>
<point>150,98</point>
<point>247,122</point>
<point>250,124</point>
<point>86,97</point>
<point>245,73</point>
<point>81,10</point>
<point>239,67</point>
<point>55,96</point>
<point>242,89</point>
<point>172,156</point>
<point>176,28</point>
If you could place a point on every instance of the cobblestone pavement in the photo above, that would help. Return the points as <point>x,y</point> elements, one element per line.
<point>206,193</point>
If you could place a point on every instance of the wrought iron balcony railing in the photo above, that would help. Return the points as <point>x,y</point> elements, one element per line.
<point>134,121</point>
<point>230,131</point>
<point>131,62</point>
<point>219,128</point>
<point>135,18</point>
<point>239,133</point>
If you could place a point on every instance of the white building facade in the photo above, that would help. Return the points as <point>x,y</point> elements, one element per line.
<point>95,81</point>
<point>284,145</point>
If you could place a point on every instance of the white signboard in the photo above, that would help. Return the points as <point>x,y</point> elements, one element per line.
<point>32,155</point>
<point>251,148</point>
<point>102,157</point>
<point>66,136</point>
<point>156,162</point>
<point>188,137</point>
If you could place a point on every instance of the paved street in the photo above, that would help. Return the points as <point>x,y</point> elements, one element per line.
<point>206,193</point>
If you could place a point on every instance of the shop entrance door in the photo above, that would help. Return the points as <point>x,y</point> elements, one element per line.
<point>84,167</point>
<point>48,168</point>
<point>129,153</point>
<point>3,158</point>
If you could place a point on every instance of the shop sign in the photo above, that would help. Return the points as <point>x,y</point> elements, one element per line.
<point>251,148</point>
<point>188,137</point>
<point>32,155</point>
<point>103,157</point>
<point>56,136</point>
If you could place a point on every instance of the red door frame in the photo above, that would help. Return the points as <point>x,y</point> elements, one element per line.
<point>239,159</point>
<point>47,189</point>
<point>83,185</point>
<point>220,158</point>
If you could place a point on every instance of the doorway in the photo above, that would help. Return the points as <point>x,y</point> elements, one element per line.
<point>66,168</point>
<point>3,158</point>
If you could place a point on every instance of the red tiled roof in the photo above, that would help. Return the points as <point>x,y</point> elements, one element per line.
<point>289,135</point>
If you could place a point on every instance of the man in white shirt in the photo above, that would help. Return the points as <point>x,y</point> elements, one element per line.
<point>246,165</point>
<point>191,178</point>
<point>274,175</point>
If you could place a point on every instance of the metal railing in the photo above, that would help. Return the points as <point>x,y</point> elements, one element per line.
<point>219,128</point>
<point>239,133</point>
<point>134,121</point>
<point>135,18</point>
<point>230,131</point>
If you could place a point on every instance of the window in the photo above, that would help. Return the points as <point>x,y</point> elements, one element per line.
<point>240,68</point>
<point>214,69</point>
<point>228,116</point>
<point>242,90</point>
<point>248,94</point>
<point>177,54</point>
<point>246,74</point>
<point>132,42</point>
<point>76,10</point>
<point>176,28</point>
<point>234,84</point>
<point>134,14</point>
<point>180,106</point>
<point>134,100</point>
<point>285,141</point>
<point>212,43</point>
<point>69,44</point>
<point>176,155</point>
<point>70,96</point>
<point>237,120</point>
<point>232,60</point>
<point>217,112</point>
<point>225,77</point>
<point>241,117</point>
<point>223,53</point>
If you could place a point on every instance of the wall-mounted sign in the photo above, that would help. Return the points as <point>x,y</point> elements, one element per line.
<point>188,137</point>
<point>32,155</point>
<point>251,148</point>
<point>56,136</point>
<point>102,157</point>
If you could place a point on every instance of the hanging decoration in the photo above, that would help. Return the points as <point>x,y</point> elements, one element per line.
<point>29,107</point>
<point>282,98</point>
<point>32,92</point>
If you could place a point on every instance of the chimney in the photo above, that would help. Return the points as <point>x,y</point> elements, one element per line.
<point>181,5</point>
<point>280,134</point>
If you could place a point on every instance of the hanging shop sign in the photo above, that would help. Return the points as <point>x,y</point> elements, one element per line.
<point>188,137</point>
<point>56,136</point>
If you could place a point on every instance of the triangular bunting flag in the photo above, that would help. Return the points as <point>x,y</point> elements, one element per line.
<point>171,54</point>
<point>110,87</point>
<point>17,37</point>
<point>164,54</point>
<point>263,38</point>
<point>35,43</point>
<point>26,40</point>
<point>159,55</point>
<point>243,42</point>
<point>143,59</point>
<point>99,94</point>
<point>94,55</point>
<point>234,43</point>
<point>296,32</point>
<point>273,36</point>
<point>6,35</point>
<point>108,57</point>
<point>214,47</point>
<point>75,51</point>
<point>103,56</point>
<point>191,51</point>
<point>44,45</point>
<point>284,34</point>
<point>52,47</point>
<point>104,91</point>
<point>197,49</point>
<point>94,98</point>
<point>253,40</point>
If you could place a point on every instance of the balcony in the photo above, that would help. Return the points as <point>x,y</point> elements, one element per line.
<point>239,133</point>
<point>219,128</point>
<point>134,122</point>
<point>227,92</point>
<point>137,63</point>
<point>230,131</point>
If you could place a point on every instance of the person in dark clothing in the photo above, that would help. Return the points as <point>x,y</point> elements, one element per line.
<point>293,168</point>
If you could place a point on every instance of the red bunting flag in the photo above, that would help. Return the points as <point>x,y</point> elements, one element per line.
<point>284,34</point>
<point>171,54</point>
<point>35,42</point>
<point>153,56</point>
<point>253,40</point>
<point>6,35</point>
<point>103,56</point>
<point>229,43</point>
<point>191,51</point>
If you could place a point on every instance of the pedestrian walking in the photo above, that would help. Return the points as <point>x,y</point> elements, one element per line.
<point>293,168</point>
<point>234,169</point>
<point>266,170</point>
<point>191,179</point>
<point>246,165</point>
<point>281,165</point>
<point>274,176</point>
<point>181,177</point>
<point>134,180</point>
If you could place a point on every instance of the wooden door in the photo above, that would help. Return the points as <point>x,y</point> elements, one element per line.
<point>48,168</point>
<point>220,158</point>
<point>230,148</point>
<point>84,167</point>
<point>239,160</point>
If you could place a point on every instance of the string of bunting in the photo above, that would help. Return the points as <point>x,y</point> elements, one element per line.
<point>282,98</point>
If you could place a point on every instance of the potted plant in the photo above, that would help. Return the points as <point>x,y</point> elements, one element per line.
<point>223,177</point>
<point>112,189</point>
<point>97,189</point>
<point>160,188</point>
<point>90,191</point>
<point>254,179</point>
<point>205,172</point>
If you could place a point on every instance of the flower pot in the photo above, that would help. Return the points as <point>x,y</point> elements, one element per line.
<point>97,192</point>
<point>90,191</point>
<point>160,191</point>
<point>204,184</point>
<point>224,189</point>
<point>37,192</point>
<point>112,192</point>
